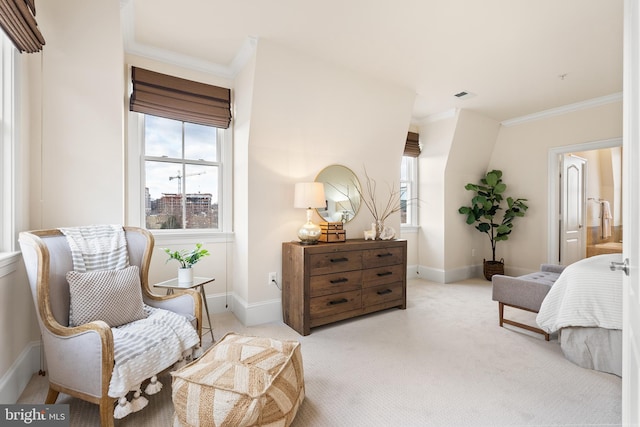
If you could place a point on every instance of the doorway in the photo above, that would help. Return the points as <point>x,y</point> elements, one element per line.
<point>573,219</point>
<point>602,182</point>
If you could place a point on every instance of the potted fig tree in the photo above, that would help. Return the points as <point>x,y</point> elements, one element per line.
<point>484,212</point>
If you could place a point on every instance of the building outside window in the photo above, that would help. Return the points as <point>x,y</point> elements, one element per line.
<point>182,174</point>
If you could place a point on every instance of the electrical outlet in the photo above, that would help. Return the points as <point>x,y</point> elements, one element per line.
<point>273,278</point>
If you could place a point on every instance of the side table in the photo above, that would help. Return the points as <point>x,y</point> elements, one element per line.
<point>198,282</point>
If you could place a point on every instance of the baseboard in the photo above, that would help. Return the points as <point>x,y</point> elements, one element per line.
<point>14,381</point>
<point>449,276</point>
<point>220,303</point>
<point>258,313</point>
<point>413,272</point>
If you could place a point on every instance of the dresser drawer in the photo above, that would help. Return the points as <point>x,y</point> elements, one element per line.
<point>329,305</point>
<point>326,284</point>
<point>382,256</point>
<point>382,275</point>
<point>382,294</point>
<point>335,262</point>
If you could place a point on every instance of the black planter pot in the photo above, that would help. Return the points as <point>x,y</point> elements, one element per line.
<point>493,267</point>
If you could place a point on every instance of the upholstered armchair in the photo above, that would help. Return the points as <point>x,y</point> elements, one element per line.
<point>80,359</point>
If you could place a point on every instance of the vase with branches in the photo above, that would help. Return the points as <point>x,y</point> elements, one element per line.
<point>384,210</point>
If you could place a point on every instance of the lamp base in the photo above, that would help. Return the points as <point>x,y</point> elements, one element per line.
<point>309,233</point>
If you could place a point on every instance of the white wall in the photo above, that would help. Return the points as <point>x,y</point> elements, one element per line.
<point>456,151</point>
<point>473,144</point>
<point>307,114</point>
<point>79,141</point>
<point>436,138</point>
<point>521,152</point>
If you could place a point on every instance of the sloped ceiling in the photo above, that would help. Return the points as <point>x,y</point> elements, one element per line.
<point>515,57</point>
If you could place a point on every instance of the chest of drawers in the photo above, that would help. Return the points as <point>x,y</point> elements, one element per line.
<point>328,282</point>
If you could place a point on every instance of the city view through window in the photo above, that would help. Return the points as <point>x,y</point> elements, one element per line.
<point>182,175</point>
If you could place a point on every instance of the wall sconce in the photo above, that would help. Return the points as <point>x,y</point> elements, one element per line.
<point>309,195</point>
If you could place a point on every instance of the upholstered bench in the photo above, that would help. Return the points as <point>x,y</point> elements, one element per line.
<point>525,292</point>
<point>240,381</point>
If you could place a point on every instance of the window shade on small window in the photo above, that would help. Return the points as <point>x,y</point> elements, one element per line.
<point>17,19</point>
<point>412,146</point>
<point>180,99</point>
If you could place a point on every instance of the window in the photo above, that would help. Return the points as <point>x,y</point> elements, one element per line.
<point>9,209</point>
<point>409,191</point>
<point>182,174</point>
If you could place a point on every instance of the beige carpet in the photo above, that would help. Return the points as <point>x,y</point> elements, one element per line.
<point>443,361</point>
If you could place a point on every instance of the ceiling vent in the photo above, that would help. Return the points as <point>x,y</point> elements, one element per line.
<point>464,95</point>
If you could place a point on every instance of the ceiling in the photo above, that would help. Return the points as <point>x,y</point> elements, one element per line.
<point>516,57</point>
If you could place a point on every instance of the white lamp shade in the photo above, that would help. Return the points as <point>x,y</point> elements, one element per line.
<point>309,195</point>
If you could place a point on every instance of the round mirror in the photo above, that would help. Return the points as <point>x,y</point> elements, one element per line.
<point>342,194</point>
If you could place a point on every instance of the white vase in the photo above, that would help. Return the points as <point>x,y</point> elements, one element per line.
<point>185,276</point>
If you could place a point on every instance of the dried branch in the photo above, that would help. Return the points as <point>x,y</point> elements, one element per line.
<point>369,199</point>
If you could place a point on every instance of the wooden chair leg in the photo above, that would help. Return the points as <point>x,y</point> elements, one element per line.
<point>52,396</point>
<point>501,311</point>
<point>106,412</point>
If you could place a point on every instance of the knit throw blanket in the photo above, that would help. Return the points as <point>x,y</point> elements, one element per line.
<point>147,347</point>
<point>97,247</point>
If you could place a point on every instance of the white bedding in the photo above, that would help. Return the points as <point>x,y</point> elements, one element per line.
<point>587,294</point>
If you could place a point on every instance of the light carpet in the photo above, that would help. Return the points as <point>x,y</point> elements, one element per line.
<point>443,361</point>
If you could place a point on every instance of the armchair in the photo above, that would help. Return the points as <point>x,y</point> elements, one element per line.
<point>80,359</point>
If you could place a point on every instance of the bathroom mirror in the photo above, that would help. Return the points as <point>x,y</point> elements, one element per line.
<point>341,190</point>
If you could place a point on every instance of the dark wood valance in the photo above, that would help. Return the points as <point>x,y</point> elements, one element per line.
<point>412,146</point>
<point>17,19</point>
<point>180,99</point>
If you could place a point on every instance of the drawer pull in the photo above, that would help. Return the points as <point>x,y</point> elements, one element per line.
<point>339,259</point>
<point>386,273</point>
<point>384,255</point>
<point>386,291</point>
<point>338,301</point>
<point>340,280</point>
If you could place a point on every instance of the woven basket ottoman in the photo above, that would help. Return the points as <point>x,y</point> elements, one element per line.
<point>240,381</point>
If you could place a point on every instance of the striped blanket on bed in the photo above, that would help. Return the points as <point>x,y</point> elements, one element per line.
<point>587,293</point>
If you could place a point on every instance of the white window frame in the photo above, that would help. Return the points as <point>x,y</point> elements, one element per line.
<point>134,188</point>
<point>9,149</point>
<point>412,198</point>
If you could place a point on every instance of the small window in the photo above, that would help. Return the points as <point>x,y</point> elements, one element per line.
<point>409,191</point>
<point>181,174</point>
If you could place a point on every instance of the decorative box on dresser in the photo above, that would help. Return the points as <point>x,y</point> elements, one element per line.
<point>328,282</point>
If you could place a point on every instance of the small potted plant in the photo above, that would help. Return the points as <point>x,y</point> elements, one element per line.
<point>186,259</point>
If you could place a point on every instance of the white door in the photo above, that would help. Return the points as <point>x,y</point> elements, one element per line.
<point>572,209</point>
<point>631,213</point>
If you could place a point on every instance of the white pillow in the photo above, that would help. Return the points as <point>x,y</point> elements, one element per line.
<point>113,296</point>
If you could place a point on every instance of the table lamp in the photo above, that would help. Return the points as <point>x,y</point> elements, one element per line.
<point>309,195</point>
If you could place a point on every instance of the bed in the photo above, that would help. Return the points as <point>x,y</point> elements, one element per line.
<point>585,307</point>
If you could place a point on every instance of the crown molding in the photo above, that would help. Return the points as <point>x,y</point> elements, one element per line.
<point>131,46</point>
<point>553,112</point>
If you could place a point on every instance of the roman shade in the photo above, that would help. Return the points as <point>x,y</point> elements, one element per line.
<point>179,99</point>
<point>17,19</point>
<point>412,146</point>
